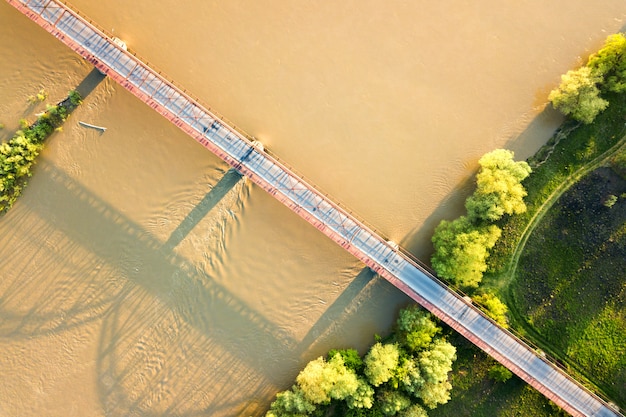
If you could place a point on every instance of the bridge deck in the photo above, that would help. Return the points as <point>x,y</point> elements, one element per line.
<point>314,206</point>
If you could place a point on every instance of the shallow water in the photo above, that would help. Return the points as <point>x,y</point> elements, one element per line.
<point>140,277</point>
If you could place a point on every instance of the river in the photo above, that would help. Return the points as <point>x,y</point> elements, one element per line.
<point>138,276</point>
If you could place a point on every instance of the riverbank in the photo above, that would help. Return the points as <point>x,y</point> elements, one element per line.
<point>589,347</point>
<point>574,152</point>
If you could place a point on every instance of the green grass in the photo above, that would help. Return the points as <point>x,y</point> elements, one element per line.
<point>571,286</point>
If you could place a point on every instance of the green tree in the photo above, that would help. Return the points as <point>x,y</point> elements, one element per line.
<point>461,250</point>
<point>435,393</point>
<point>498,187</point>
<point>436,362</point>
<point>409,376</point>
<point>322,381</point>
<point>499,373</point>
<point>291,403</point>
<point>414,410</point>
<point>578,95</point>
<point>416,328</point>
<point>494,307</point>
<point>391,402</point>
<point>609,64</point>
<point>363,397</point>
<point>351,358</point>
<point>381,362</point>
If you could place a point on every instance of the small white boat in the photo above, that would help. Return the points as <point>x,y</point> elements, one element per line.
<point>100,128</point>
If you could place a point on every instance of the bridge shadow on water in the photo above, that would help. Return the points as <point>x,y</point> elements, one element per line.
<point>169,326</point>
<point>210,200</point>
<point>337,309</point>
<point>47,314</point>
<point>172,337</point>
<point>90,82</point>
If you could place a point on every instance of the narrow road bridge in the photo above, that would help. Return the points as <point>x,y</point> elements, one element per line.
<point>247,156</point>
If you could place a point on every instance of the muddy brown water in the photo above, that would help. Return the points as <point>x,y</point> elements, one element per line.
<point>138,276</point>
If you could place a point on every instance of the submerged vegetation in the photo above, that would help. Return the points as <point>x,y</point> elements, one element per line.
<point>405,375</point>
<point>17,155</point>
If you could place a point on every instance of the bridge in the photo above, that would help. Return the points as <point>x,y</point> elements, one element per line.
<point>248,157</point>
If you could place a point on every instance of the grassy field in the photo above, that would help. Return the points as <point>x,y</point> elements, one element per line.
<point>571,282</point>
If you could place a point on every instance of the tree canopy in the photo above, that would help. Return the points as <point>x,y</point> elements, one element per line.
<point>416,328</point>
<point>322,381</point>
<point>398,377</point>
<point>461,250</point>
<point>609,64</point>
<point>351,358</point>
<point>499,188</point>
<point>578,95</point>
<point>291,403</point>
<point>381,362</point>
<point>392,401</point>
<point>436,362</point>
<point>462,246</point>
<point>414,410</point>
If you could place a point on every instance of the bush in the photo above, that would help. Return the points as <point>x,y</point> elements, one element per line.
<point>499,373</point>
<point>494,307</point>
